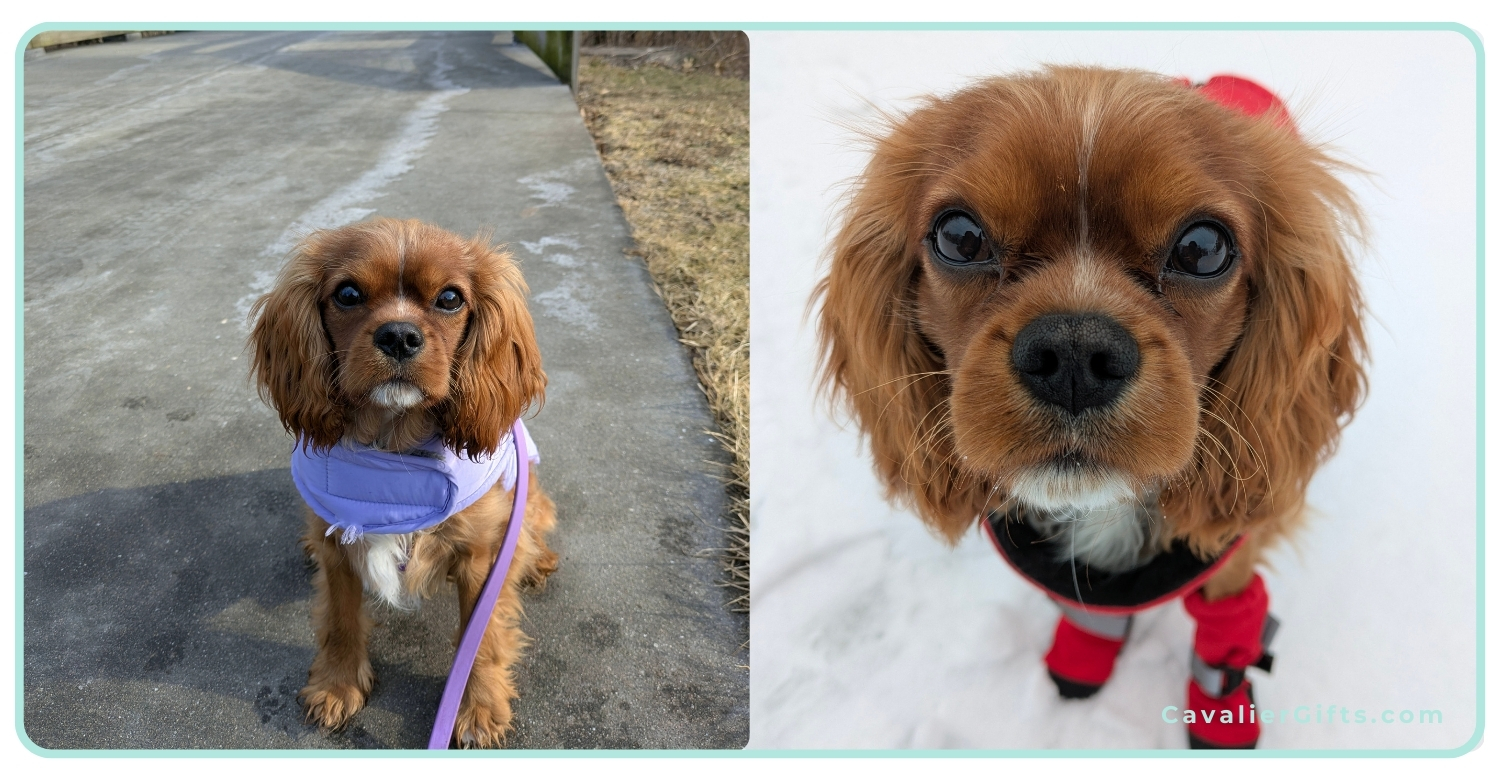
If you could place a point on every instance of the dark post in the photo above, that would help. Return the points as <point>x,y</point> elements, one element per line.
<point>558,49</point>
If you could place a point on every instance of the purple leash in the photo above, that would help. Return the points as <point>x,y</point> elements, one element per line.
<point>468,647</point>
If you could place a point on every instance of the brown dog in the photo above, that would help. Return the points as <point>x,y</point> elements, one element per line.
<point>1104,300</point>
<point>386,334</point>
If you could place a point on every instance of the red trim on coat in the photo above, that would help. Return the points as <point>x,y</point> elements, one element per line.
<point>1191,585</point>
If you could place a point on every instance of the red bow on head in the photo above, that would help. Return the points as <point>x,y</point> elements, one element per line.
<point>1246,97</point>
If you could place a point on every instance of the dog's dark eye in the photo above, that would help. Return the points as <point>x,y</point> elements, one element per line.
<point>957,239</point>
<point>348,296</point>
<point>1204,249</point>
<point>449,300</point>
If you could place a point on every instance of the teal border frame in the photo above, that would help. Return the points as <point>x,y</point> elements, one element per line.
<point>20,346</point>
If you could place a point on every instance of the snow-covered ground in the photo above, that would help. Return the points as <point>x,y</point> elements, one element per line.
<point>868,632</point>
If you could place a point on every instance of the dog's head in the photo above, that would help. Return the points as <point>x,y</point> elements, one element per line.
<point>1080,286</point>
<point>387,319</point>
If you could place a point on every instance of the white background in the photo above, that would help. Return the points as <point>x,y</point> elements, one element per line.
<point>869,632</point>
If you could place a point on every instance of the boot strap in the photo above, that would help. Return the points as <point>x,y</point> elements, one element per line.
<point>1220,681</point>
<point>1097,623</point>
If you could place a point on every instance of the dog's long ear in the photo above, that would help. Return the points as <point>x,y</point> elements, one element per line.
<point>291,357</point>
<point>1275,407</point>
<point>497,372</point>
<point>874,362</point>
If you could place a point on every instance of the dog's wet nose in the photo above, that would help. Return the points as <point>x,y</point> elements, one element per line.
<point>1075,361</point>
<point>400,340</point>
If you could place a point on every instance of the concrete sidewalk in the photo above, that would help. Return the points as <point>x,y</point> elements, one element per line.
<point>165,597</point>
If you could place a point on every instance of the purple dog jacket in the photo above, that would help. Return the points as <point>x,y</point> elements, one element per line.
<point>364,490</point>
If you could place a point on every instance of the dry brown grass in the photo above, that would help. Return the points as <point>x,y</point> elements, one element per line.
<point>676,147</point>
<point>725,52</point>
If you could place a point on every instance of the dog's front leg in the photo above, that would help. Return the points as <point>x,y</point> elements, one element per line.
<point>1231,611</point>
<point>341,676</point>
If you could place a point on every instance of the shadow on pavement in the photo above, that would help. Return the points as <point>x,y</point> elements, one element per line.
<point>141,600</point>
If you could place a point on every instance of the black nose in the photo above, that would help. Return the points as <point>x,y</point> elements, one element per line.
<point>1075,360</point>
<point>400,340</point>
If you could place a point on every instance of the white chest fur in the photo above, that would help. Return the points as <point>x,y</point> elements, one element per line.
<point>1116,537</point>
<point>380,560</point>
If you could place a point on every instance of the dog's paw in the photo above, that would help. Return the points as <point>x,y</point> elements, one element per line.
<point>545,564</point>
<point>483,725</point>
<point>332,705</point>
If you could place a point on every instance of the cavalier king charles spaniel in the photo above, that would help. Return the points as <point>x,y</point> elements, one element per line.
<point>1111,317</point>
<point>400,346</point>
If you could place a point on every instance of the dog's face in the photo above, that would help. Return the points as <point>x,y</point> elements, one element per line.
<point>1079,287</point>
<point>1082,273</point>
<point>395,315</point>
<point>384,320</point>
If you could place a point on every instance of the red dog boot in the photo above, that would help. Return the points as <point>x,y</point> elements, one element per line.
<point>1232,635</point>
<point>1084,650</point>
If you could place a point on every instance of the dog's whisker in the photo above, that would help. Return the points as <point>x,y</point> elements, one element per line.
<point>928,436</point>
<point>914,376</point>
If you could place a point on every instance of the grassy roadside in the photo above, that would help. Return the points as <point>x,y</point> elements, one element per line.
<point>676,147</point>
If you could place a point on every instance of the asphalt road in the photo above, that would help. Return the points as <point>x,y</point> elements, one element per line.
<point>165,596</point>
